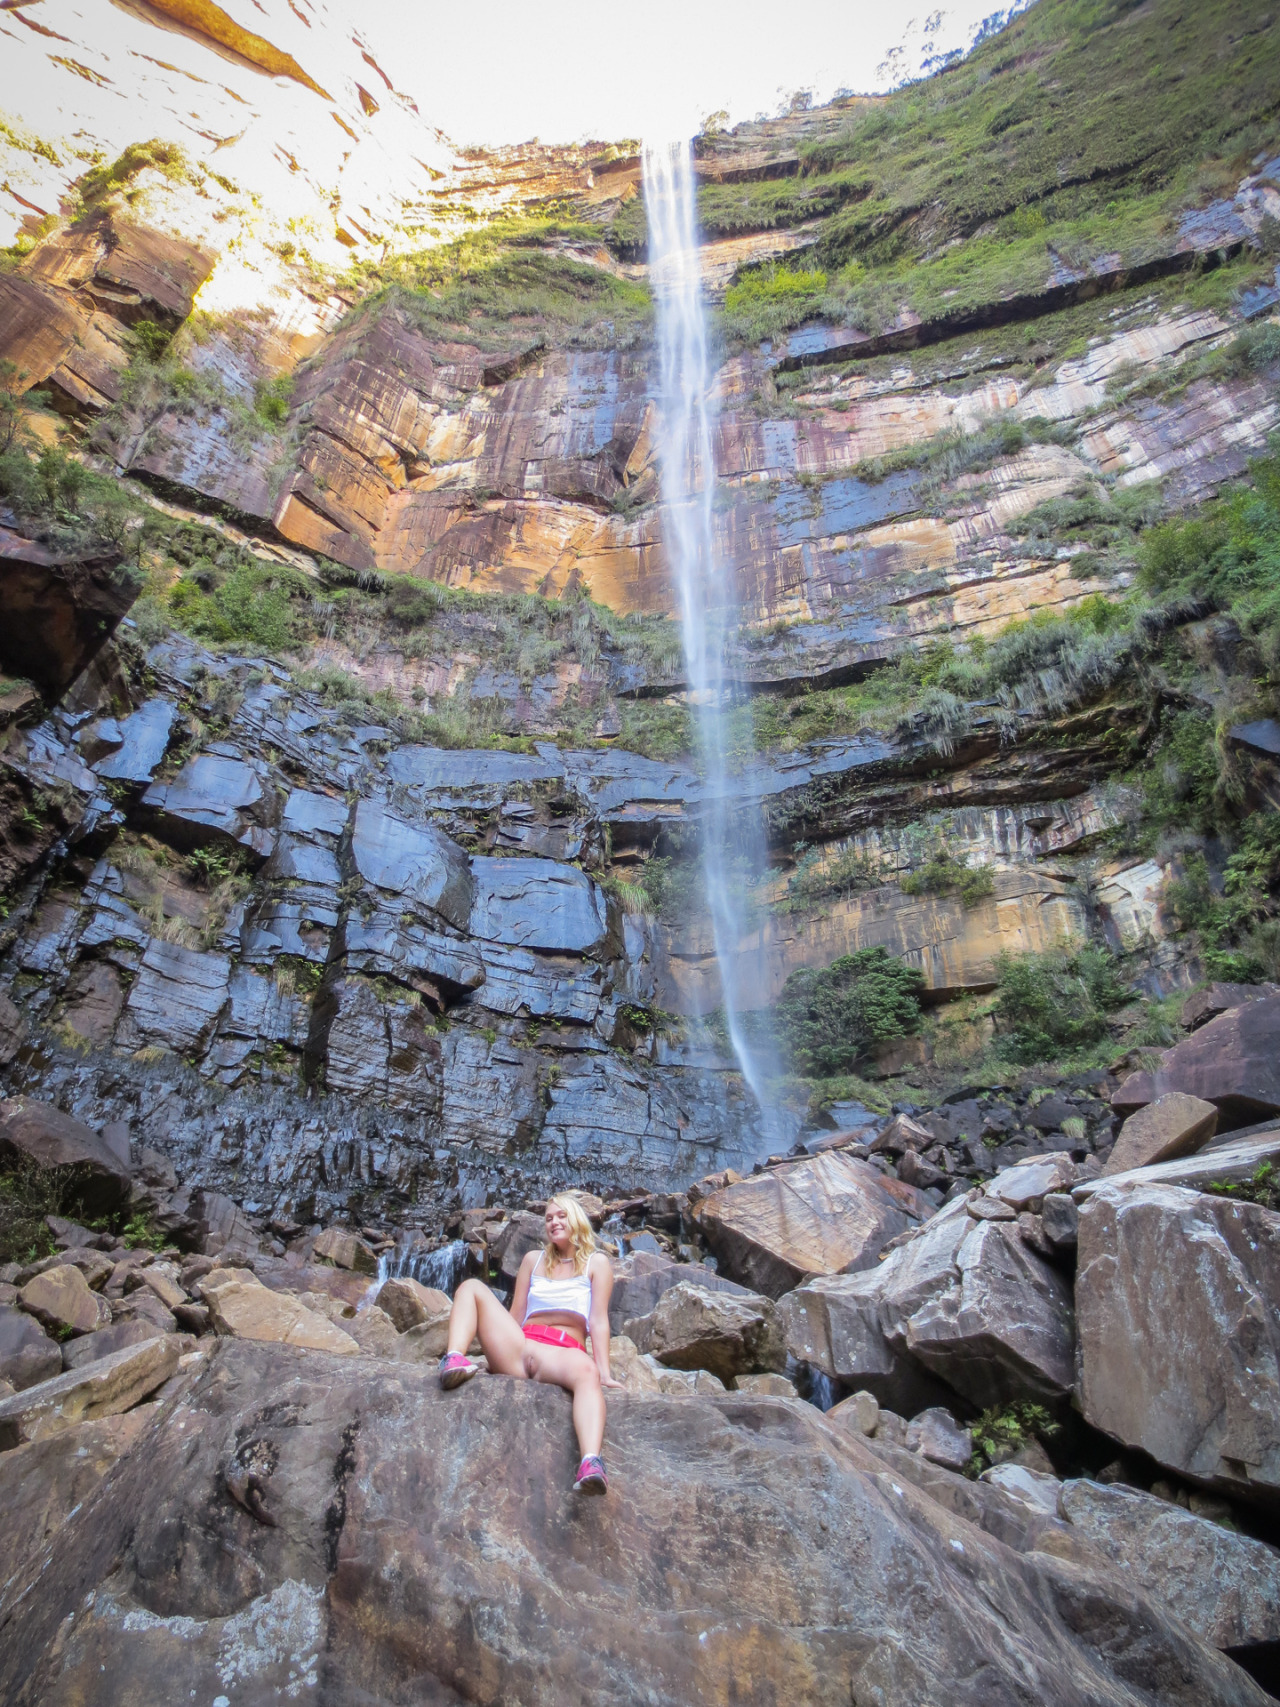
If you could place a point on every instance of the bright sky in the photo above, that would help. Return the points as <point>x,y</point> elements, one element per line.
<point>498,71</point>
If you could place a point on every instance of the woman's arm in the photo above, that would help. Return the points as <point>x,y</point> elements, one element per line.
<point>601,1272</point>
<point>520,1297</point>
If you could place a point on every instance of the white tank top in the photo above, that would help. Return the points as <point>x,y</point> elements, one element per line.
<point>572,1295</point>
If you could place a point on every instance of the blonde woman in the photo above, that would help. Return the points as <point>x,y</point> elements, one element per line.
<point>561,1296</point>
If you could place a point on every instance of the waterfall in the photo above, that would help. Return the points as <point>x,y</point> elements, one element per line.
<point>733,851</point>
<point>443,1269</point>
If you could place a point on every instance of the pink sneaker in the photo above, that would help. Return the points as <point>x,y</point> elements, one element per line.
<point>591,1477</point>
<point>455,1368</point>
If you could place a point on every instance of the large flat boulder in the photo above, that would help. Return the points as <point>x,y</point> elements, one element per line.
<point>60,1299</point>
<point>101,1389</point>
<point>1173,1125</point>
<point>965,1303</point>
<point>1225,1587</point>
<point>40,1134</point>
<point>1232,1062</point>
<point>690,1328</point>
<point>643,1276</point>
<point>243,1308</point>
<point>747,1551</point>
<point>830,1214</point>
<point>1178,1308</point>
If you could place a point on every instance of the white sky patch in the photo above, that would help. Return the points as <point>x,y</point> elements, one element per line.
<point>564,71</point>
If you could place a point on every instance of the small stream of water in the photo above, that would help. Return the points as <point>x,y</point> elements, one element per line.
<point>733,851</point>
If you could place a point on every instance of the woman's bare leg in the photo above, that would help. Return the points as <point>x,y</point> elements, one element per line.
<point>477,1311</point>
<point>575,1372</point>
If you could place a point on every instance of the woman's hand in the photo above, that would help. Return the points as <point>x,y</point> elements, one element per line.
<point>609,1381</point>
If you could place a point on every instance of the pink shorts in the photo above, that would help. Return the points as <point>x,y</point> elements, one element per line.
<point>545,1335</point>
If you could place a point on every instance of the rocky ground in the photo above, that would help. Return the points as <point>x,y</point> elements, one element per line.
<point>227,1462</point>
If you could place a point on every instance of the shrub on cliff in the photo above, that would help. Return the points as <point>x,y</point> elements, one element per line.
<point>830,1019</point>
<point>1056,1003</point>
<point>1230,555</point>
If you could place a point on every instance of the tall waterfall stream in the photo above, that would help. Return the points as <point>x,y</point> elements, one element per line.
<point>733,851</point>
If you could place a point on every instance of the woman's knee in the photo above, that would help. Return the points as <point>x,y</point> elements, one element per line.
<point>587,1380</point>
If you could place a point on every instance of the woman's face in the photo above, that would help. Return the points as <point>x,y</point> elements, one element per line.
<point>557,1226</point>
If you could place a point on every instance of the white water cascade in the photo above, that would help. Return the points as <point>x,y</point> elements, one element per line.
<point>733,852</point>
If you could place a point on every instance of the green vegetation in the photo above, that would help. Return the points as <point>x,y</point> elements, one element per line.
<point>814,882</point>
<point>1074,133</point>
<point>27,1195</point>
<point>1262,1187</point>
<point>999,1434</point>
<point>65,505</point>
<point>506,288</point>
<point>1235,923</point>
<point>1055,1004</point>
<point>830,1020</point>
<point>768,301</point>
<point>1228,555</point>
<point>946,873</point>
<point>1044,665</point>
<point>163,157</point>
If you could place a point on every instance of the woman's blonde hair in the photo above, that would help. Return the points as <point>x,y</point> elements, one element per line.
<point>582,1241</point>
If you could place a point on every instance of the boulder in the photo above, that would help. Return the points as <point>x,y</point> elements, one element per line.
<point>1034,1488</point>
<point>829,1214</point>
<point>861,1413</point>
<point>132,1331</point>
<point>936,1435</point>
<point>60,1300</point>
<point>1059,1221</point>
<point>1226,1161</point>
<point>146,1309</point>
<point>690,1328</point>
<point>101,1389</point>
<point>1178,1306</point>
<point>36,1132</point>
<point>1025,1186</point>
<point>160,1278</point>
<point>1232,1062</point>
<point>243,1308</point>
<point>1217,999</point>
<point>772,1386</point>
<point>641,1279</point>
<point>1172,1126</point>
<point>345,1250</point>
<point>408,1303</point>
<point>965,1302</point>
<point>522,1234</point>
<point>27,1354</point>
<point>427,1340</point>
<point>1004,1328</point>
<point>48,1480</point>
<point>1224,1587</point>
<point>748,1550</point>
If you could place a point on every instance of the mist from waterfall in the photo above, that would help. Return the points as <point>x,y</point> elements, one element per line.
<point>733,851</point>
